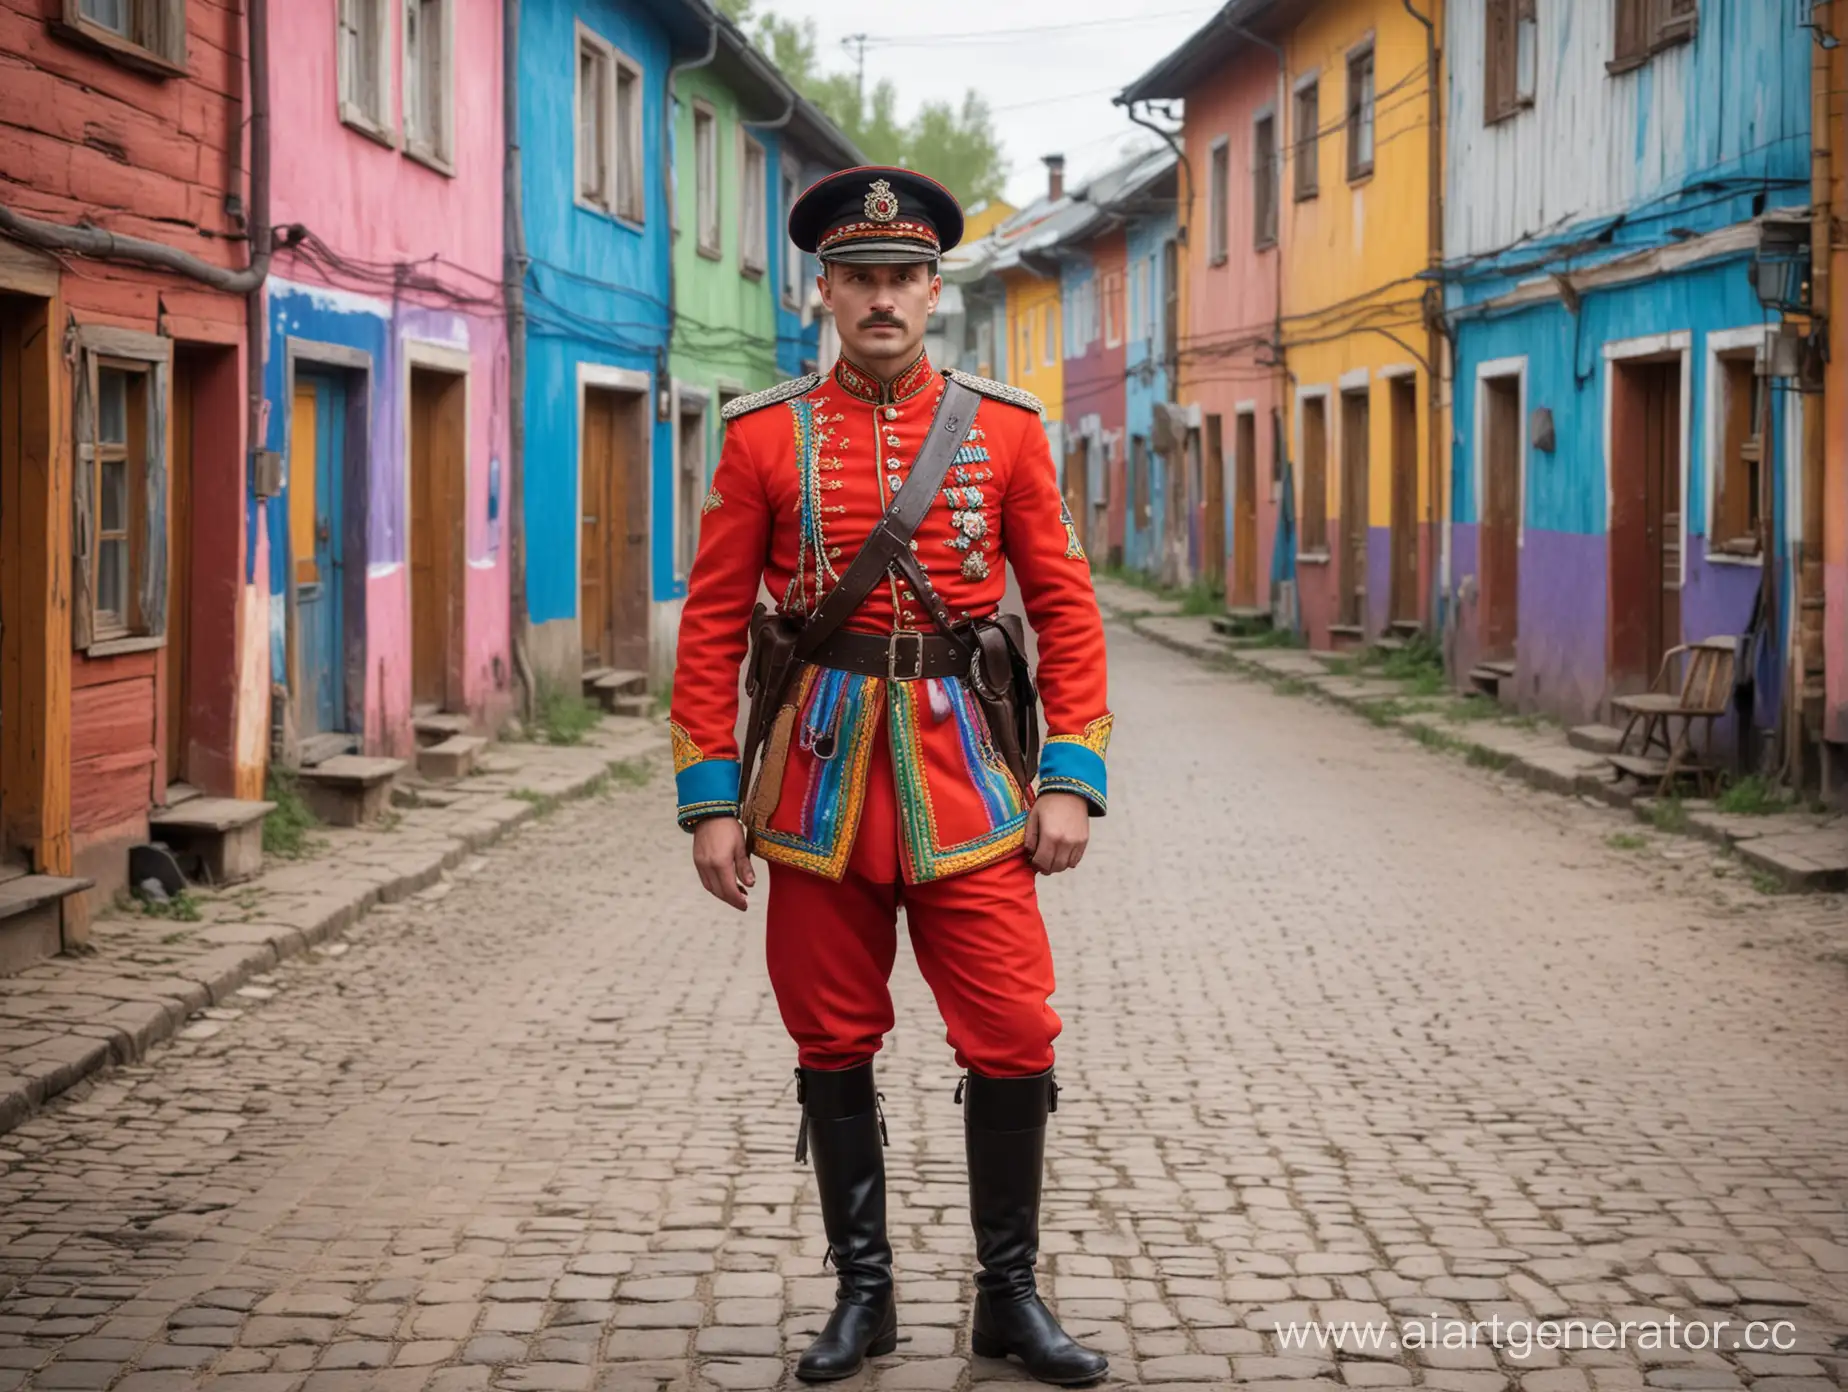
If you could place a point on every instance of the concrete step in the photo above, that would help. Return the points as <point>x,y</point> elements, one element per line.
<point>1406,628</point>
<point>218,840</point>
<point>606,684</point>
<point>1241,621</point>
<point>1389,645</point>
<point>178,793</point>
<point>318,749</point>
<point>437,726</point>
<point>452,759</point>
<point>1346,637</point>
<point>1487,677</point>
<point>349,790</point>
<point>32,909</point>
<point>1595,739</point>
<point>640,707</point>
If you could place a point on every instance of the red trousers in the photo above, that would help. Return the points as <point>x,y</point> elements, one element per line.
<point>978,937</point>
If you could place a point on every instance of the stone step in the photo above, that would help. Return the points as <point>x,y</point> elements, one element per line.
<point>32,911</point>
<point>1346,637</point>
<point>178,793</point>
<point>640,707</point>
<point>349,790</point>
<point>437,726</point>
<point>452,759</point>
<point>1389,645</point>
<point>311,750</point>
<point>1407,628</point>
<point>1487,677</point>
<point>607,683</point>
<point>1595,739</point>
<point>219,840</point>
<point>1241,621</point>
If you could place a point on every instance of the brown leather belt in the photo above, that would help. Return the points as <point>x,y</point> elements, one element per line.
<point>906,655</point>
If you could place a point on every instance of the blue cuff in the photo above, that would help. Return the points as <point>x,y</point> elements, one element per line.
<point>1070,766</point>
<point>707,789</point>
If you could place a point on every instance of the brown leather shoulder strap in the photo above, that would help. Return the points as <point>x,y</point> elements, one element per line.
<point>891,537</point>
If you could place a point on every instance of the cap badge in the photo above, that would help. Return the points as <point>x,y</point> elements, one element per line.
<point>881,202</point>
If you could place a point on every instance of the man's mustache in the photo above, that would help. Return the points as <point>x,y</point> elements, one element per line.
<point>881,317</point>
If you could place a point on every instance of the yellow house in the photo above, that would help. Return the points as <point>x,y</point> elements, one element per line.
<point>984,217</point>
<point>1035,331</point>
<point>1360,152</point>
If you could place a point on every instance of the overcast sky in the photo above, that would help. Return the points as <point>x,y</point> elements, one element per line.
<point>1047,67</point>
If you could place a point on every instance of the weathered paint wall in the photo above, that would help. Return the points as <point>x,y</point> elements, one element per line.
<point>1733,103</point>
<point>1229,309</point>
<point>1698,139</point>
<point>597,294</point>
<point>1350,301</point>
<point>1146,383</point>
<point>382,213</point>
<point>1032,301</point>
<point>1835,468</point>
<point>1094,383</point>
<point>1561,655</point>
<point>91,139</point>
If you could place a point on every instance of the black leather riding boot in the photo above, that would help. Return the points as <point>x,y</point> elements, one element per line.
<point>844,1135</point>
<point>1004,1123</point>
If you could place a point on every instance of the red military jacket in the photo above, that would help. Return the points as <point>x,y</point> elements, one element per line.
<point>807,469</point>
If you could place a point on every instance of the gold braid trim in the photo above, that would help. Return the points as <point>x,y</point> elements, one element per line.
<point>1096,736</point>
<point>686,753</point>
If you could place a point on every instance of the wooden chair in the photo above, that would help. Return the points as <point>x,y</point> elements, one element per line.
<point>1702,697</point>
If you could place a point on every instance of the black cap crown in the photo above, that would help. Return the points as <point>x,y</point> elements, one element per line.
<point>876,213</point>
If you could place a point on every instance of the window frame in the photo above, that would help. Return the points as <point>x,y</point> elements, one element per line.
<point>437,153</point>
<point>1306,150</point>
<point>1363,114</point>
<point>1314,523</point>
<point>1049,335</point>
<point>1113,309</point>
<point>591,44</point>
<point>792,254</point>
<point>1266,180</point>
<point>690,489</point>
<point>1640,29</point>
<point>1726,350</point>
<point>1219,202</point>
<point>1503,24</point>
<point>707,209</point>
<point>159,52</point>
<point>375,123</point>
<point>753,243</point>
<point>101,632</point>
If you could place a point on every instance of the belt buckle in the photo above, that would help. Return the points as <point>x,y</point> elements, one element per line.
<point>892,651</point>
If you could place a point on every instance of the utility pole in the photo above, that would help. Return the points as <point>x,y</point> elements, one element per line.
<point>858,42</point>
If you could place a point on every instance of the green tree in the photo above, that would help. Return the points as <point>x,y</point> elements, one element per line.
<point>955,145</point>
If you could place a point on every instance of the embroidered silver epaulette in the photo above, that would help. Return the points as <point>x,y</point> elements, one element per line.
<point>1000,391</point>
<point>782,391</point>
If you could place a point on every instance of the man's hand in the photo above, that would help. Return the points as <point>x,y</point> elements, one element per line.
<point>1058,829</point>
<point>719,856</point>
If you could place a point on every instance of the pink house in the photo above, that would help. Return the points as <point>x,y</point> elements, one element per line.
<point>1230,276</point>
<point>386,548</point>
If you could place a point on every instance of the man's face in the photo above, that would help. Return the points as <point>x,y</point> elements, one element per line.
<point>880,310</point>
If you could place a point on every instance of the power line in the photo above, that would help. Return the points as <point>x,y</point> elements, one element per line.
<point>931,40</point>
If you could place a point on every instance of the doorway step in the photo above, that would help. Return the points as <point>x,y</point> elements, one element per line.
<point>1487,677</point>
<point>619,692</point>
<point>32,917</point>
<point>315,750</point>
<point>1346,637</point>
<point>349,789</point>
<point>217,840</point>
<point>451,759</point>
<point>1242,622</point>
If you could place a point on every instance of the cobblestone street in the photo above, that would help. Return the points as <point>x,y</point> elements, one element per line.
<point>1352,1031</point>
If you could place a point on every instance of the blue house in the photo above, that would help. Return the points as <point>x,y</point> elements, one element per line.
<point>1159,533</point>
<point>1619,447</point>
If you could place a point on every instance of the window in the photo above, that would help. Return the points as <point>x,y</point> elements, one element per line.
<point>1134,317</point>
<point>1141,309</point>
<point>1509,57</point>
<point>690,481</point>
<point>1738,481</point>
<point>148,34</point>
<point>119,561</point>
<point>593,122</point>
<point>427,98</point>
<point>1218,192</point>
<point>792,256</point>
<point>1315,474</point>
<point>1026,343</point>
<point>1050,333</point>
<point>609,129</point>
<point>1307,150</point>
<point>706,178</point>
<point>1264,181</point>
<point>984,350</point>
<point>1113,309</point>
<point>1645,27</point>
<point>1360,113</point>
<point>753,214</point>
<point>1139,478</point>
<point>631,202</point>
<point>364,41</point>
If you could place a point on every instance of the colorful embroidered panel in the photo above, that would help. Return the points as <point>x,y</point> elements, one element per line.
<point>815,820</point>
<point>978,813</point>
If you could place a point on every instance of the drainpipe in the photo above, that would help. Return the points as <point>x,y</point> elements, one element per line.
<point>513,238</point>
<point>1434,339</point>
<point>257,272</point>
<point>1805,675</point>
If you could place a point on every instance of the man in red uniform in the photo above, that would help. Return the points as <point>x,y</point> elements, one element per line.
<point>885,786</point>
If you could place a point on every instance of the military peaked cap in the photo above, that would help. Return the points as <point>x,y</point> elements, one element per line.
<point>876,213</point>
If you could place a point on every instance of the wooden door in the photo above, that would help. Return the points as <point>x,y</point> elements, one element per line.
<point>1214,530</point>
<point>317,438</point>
<point>613,572</point>
<point>1404,598</point>
<point>1645,523</point>
<point>438,456</point>
<point>1078,488</point>
<point>1662,510</point>
<point>1245,512</point>
<point>1499,539</point>
<point>179,567</point>
<point>1355,451</point>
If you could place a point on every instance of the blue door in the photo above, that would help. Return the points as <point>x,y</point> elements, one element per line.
<point>317,435</point>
